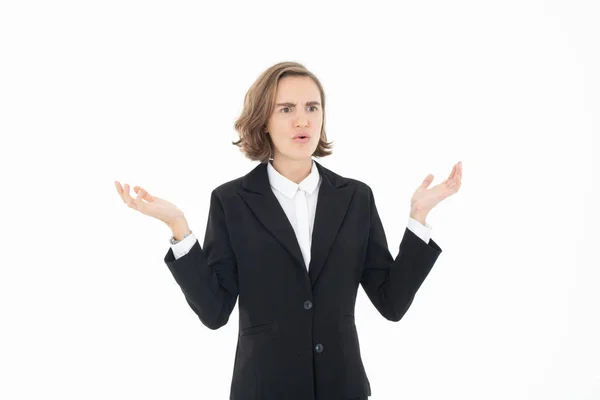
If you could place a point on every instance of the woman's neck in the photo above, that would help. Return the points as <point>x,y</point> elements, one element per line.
<point>295,170</point>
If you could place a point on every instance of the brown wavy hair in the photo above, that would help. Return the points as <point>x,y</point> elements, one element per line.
<point>259,104</point>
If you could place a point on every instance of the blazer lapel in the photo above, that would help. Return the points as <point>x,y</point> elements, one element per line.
<point>332,203</point>
<point>258,195</point>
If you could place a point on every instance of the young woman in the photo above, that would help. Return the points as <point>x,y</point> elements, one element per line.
<point>293,241</point>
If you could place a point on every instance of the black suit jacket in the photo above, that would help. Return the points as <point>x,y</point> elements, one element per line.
<point>297,336</point>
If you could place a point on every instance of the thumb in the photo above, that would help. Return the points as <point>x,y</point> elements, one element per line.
<point>144,194</point>
<point>427,181</point>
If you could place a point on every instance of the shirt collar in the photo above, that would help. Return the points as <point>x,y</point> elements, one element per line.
<point>288,187</point>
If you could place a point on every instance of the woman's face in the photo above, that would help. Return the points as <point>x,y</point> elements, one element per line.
<point>297,110</point>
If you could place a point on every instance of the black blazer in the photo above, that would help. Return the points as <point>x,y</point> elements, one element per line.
<point>297,337</point>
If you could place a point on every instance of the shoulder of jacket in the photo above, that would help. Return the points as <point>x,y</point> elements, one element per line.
<point>228,188</point>
<point>359,185</point>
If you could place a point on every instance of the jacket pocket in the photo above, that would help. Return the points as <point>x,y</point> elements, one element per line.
<point>255,329</point>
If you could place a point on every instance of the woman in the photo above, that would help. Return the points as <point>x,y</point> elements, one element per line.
<point>293,241</point>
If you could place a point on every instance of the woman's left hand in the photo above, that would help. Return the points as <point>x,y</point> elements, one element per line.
<point>424,199</point>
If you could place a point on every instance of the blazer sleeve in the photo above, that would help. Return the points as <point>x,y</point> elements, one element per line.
<point>207,275</point>
<point>391,284</point>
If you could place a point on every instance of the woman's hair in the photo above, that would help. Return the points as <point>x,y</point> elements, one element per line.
<point>259,104</point>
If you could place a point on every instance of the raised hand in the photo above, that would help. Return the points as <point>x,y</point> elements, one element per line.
<point>150,205</point>
<point>424,199</point>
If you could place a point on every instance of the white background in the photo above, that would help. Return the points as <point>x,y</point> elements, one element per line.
<point>147,92</point>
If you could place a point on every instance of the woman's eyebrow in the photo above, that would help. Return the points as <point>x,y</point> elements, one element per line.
<point>308,103</point>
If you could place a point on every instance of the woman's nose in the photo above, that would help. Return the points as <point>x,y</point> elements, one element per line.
<point>302,120</point>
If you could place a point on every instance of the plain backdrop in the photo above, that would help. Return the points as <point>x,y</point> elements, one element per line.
<point>146,93</point>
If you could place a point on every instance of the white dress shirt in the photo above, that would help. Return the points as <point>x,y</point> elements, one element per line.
<point>299,202</point>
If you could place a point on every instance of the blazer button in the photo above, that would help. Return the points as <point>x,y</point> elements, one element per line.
<point>307,305</point>
<point>319,348</point>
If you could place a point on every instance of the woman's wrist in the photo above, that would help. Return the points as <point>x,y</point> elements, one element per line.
<point>180,228</point>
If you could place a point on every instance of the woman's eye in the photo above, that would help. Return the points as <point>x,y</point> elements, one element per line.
<point>287,108</point>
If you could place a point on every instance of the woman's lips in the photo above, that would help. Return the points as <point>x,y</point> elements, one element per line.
<point>299,139</point>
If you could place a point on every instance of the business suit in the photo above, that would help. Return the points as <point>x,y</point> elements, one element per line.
<point>297,336</point>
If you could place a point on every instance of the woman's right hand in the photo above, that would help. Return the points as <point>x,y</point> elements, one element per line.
<point>150,205</point>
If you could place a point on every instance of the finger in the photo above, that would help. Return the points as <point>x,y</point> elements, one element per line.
<point>138,199</point>
<point>129,200</point>
<point>119,190</point>
<point>126,197</point>
<point>143,195</point>
<point>125,193</point>
<point>453,172</point>
<point>147,196</point>
<point>458,177</point>
<point>427,181</point>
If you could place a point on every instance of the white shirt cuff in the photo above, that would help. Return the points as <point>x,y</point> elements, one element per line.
<point>422,231</point>
<point>182,248</point>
